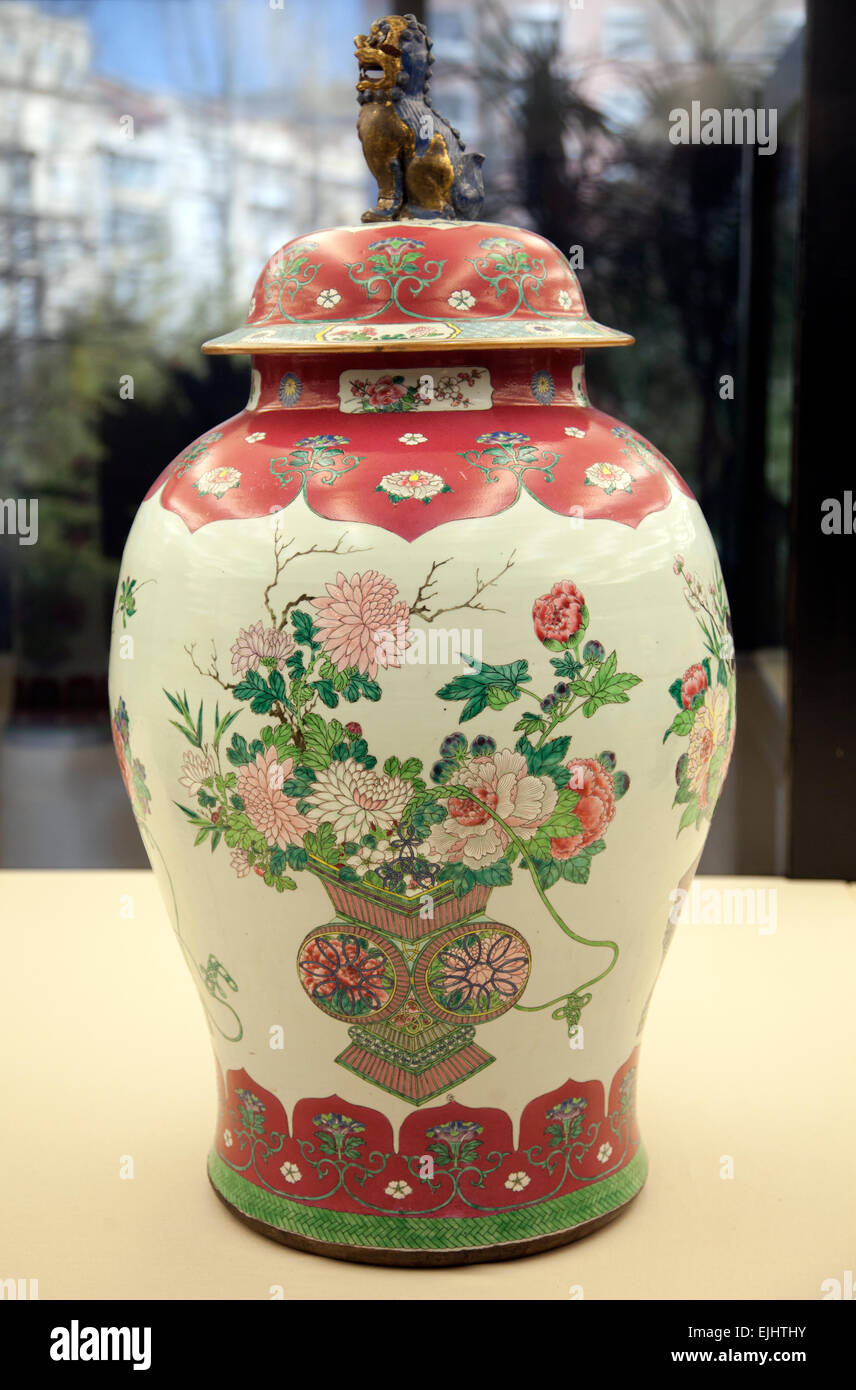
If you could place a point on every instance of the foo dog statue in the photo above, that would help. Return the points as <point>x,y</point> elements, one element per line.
<point>419,160</point>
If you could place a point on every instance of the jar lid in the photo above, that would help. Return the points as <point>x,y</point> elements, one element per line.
<point>408,283</point>
<point>419,269</point>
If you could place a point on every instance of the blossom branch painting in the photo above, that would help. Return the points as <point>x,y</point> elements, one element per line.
<point>706,698</point>
<point>303,791</point>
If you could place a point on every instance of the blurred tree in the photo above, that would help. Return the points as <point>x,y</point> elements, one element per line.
<point>52,397</point>
<point>561,144</point>
<point>91,421</point>
<point>685,221</point>
<point>659,225</point>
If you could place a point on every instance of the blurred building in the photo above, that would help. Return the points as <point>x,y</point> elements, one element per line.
<point>48,132</point>
<point>613,49</point>
<point>195,197</point>
<point>149,200</point>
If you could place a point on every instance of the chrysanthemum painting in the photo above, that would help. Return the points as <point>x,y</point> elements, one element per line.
<point>261,646</point>
<point>269,810</point>
<point>363,623</point>
<point>357,800</point>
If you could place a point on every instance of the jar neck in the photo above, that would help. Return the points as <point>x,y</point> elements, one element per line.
<point>408,382</point>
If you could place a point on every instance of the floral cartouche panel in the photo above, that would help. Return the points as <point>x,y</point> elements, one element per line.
<point>423,693</point>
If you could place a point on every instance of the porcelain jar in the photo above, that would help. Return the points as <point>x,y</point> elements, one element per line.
<point>422,688</point>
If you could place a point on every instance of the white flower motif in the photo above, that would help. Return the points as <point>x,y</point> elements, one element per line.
<point>515,1182</point>
<point>564,299</point>
<point>254,438</point>
<point>422,486</point>
<point>461,299</point>
<point>609,476</point>
<point>727,647</point>
<point>291,1172</point>
<point>398,1189</point>
<point>240,862</point>
<point>328,299</point>
<point>574,432</point>
<point>603,1153</point>
<point>356,800</point>
<point>366,858</point>
<point>413,439</point>
<point>227,1138</point>
<point>195,768</point>
<point>218,481</point>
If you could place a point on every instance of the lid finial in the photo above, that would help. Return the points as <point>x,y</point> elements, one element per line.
<point>422,167</point>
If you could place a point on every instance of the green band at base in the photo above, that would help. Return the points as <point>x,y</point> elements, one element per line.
<point>425,1232</point>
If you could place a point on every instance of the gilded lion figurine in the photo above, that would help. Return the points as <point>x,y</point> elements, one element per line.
<point>419,160</point>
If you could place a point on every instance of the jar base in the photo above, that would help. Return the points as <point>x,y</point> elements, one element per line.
<point>632,1181</point>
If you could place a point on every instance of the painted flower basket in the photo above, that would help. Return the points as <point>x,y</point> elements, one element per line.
<point>405,915</point>
<point>413,1009</point>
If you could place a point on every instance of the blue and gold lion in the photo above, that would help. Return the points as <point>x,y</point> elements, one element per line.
<point>419,160</point>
